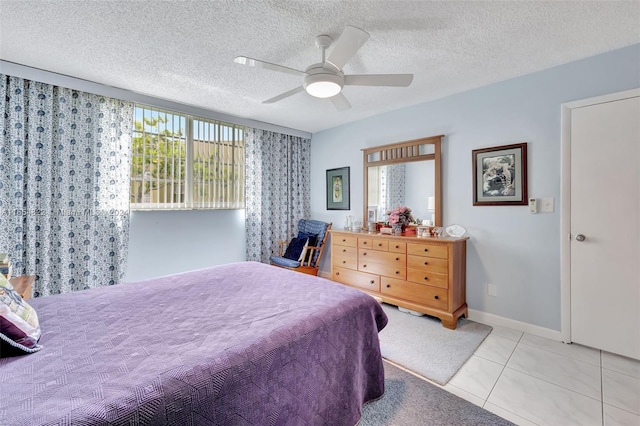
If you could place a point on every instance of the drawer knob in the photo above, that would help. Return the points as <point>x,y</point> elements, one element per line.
<point>344,250</point>
<point>344,241</point>
<point>436,297</point>
<point>372,282</point>
<point>364,243</point>
<point>364,254</point>
<point>379,244</point>
<point>397,272</point>
<point>337,273</point>
<point>388,285</point>
<point>344,261</point>
<point>364,266</point>
<point>426,278</point>
<point>426,249</point>
<point>397,258</point>
<point>426,263</point>
<point>397,247</point>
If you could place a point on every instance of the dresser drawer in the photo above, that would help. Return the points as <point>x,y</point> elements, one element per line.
<point>356,279</point>
<point>431,250</point>
<point>365,242</point>
<point>344,251</point>
<point>430,264</point>
<point>397,247</point>
<point>344,240</point>
<point>417,293</point>
<point>389,270</point>
<point>349,262</point>
<point>428,278</point>
<point>380,244</point>
<point>382,257</point>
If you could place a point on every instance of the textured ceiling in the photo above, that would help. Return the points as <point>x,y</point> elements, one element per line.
<point>184,50</point>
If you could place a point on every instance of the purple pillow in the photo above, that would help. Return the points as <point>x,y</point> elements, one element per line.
<point>19,326</point>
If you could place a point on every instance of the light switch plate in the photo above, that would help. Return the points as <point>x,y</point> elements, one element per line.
<point>533,205</point>
<point>491,289</point>
<point>546,205</point>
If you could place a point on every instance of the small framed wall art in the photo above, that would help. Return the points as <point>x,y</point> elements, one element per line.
<point>500,175</point>
<point>338,196</point>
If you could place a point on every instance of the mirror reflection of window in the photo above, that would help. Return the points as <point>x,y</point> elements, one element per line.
<point>408,184</point>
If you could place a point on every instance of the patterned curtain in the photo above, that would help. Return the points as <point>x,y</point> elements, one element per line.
<point>392,184</point>
<point>64,185</point>
<point>277,189</point>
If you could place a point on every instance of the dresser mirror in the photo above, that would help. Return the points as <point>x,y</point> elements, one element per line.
<point>403,174</point>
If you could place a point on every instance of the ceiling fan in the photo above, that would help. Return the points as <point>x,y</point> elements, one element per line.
<point>326,79</point>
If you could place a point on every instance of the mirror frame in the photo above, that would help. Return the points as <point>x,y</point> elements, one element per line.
<point>405,152</point>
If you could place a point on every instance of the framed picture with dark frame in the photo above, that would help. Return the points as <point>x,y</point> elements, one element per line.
<point>338,194</point>
<point>500,175</point>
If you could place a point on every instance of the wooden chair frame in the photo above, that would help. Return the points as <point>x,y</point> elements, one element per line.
<point>308,253</point>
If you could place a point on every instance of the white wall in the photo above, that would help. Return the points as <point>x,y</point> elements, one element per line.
<point>168,242</point>
<point>419,187</point>
<point>517,251</point>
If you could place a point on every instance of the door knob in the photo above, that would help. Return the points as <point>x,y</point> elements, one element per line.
<point>580,237</point>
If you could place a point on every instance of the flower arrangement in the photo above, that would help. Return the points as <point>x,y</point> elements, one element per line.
<point>401,215</point>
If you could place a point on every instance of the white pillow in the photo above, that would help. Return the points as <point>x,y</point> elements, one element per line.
<point>303,250</point>
<point>19,326</point>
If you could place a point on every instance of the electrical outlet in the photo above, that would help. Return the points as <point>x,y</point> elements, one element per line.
<point>491,289</point>
<point>546,205</point>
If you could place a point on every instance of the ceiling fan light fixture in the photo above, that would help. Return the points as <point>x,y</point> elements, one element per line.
<point>326,79</point>
<point>323,85</point>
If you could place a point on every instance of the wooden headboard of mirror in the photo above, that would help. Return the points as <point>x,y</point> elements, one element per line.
<point>404,173</point>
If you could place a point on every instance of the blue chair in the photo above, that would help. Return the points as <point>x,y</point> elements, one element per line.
<point>309,259</point>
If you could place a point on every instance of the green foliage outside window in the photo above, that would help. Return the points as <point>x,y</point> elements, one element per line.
<point>157,161</point>
<point>159,156</point>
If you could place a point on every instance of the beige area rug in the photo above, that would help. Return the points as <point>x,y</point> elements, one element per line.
<point>421,344</point>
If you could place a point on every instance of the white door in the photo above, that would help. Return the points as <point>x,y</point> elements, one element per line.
<point>605,226</point>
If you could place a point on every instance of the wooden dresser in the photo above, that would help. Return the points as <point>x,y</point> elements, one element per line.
<point>422,274</point>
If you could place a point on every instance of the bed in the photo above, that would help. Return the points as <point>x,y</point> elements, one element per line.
<point>238,344</point>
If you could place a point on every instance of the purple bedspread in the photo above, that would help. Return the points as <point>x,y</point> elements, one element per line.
<point>238,344</point>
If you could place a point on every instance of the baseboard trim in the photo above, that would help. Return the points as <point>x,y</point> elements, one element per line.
<point>492,319</point>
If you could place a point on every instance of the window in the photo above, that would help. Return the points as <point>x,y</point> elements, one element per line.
<point>184,162</point>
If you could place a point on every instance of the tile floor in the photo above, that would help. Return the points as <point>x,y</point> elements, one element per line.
<point>530,380</point>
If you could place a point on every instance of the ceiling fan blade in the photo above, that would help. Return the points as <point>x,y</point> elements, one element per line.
<point>284,95</point>
<point>340,102</point>
<point>395,80</point>
<point>243,60</point>
<point>350,41</point>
